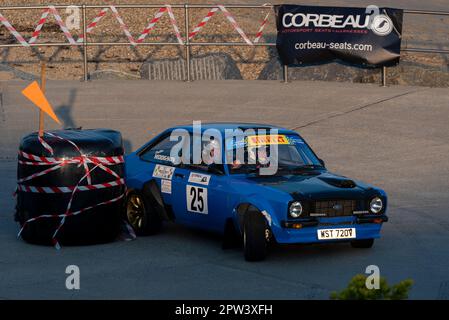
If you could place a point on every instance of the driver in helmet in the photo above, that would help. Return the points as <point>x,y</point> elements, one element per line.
<point>211,152</point>
<point>258,155</point>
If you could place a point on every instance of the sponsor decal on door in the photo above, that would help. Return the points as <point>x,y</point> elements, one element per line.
<point>199,178</point>
<point>163,172</point>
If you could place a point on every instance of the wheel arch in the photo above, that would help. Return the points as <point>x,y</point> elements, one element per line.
<point>240,210</point>
<point>150,189</point>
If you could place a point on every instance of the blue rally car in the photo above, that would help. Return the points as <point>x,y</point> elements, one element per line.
<point>300,202</point>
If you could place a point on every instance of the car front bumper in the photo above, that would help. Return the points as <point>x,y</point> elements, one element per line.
<point>290,232</point>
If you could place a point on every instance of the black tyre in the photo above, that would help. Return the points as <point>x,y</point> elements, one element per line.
<point>142,215</point>
<point>365,243</point>
<point>232,238</point>
<point>255,238</point>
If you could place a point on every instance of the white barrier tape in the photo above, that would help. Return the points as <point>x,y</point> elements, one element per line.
<point>152,24</point>
<point>262,26</point>
<point>125,28</point>
<point>42,173</point>
<point>174,24</point>
<point>45,144</point>
<point>93,24</point>
<point>203,22</point>
<point>123,25</point>
<point>62,25</point>
<point>63,216</point>
<point>211,13</point>
<point>13,31</point>
<point>82,159</point>
<point>37,189</point>
<point>38,160</point>
<point>38,29</point>
<point>234,23</point>
<point>69,205</point>
<point>39,26</point>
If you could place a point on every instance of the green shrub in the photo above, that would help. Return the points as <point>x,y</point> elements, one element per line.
<point>357,290</point>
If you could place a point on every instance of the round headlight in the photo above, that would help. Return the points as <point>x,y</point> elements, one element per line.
<point>295,209</point>
<point>376,205</point>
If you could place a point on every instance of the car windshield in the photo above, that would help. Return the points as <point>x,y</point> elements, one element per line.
<point>249,154</point>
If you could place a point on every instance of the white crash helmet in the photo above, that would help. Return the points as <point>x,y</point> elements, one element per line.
<point>257,154</point>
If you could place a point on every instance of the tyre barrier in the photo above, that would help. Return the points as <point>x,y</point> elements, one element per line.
<point>70,187</point>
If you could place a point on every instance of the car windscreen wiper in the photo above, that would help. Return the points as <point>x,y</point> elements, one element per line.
<point>311,166</point>
<point>306,166</point>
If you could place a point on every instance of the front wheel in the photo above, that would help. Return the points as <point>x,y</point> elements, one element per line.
<point>365,243</point>
<point>255,238</point>
<point>141,215</point>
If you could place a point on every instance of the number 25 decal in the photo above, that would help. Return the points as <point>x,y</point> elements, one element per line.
<point>196,199</point>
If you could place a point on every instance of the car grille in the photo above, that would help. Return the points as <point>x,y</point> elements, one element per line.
<point>333,208</point>
<point>330,224</point>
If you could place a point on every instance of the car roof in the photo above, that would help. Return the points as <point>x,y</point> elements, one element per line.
<point>222,126</point>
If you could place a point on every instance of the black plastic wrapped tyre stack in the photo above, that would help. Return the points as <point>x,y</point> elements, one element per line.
<point>100,224</point>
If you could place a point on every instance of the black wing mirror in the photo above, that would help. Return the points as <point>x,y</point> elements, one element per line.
<point>322,162</point>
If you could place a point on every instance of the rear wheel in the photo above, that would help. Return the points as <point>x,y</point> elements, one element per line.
<point>365,243</point>
<point>141,215</point>
<point>255,236</point>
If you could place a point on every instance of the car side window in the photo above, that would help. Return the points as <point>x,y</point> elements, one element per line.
<point>160,152</point>
<point>207,164</point>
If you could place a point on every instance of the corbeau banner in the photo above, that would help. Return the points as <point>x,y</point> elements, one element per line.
<point>367,36</point>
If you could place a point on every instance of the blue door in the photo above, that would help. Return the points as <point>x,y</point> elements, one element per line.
<point>200,198</point>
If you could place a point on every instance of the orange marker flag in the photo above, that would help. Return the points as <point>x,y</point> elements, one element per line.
<point>34,93</point>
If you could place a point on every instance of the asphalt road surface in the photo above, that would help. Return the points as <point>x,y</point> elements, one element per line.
<point>395,138</point>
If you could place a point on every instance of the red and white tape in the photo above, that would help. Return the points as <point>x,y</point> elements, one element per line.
<point>234,23</point>
<point>36,189</point>
<point>231,19</point>
<point>261,28</point>
<point>39,161</point>
<point>37,31</point>
<point>67,214</point>
<point>57,163</point>
<point>39,26</point>
<point>93,24</point>
<point>152,24</point>
<point>83,161</point>
<point>203,22</point>
<point>174,24</point>
<point>167,8</point>
<point>45,144</point>
<point>61,24</point>
<point>123,25</point>
<point>42,173</point>
<point>13,31</point>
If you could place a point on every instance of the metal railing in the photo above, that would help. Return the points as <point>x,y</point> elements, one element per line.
<point>187,44</point>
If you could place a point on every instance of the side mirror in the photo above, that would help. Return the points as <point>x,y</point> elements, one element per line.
<point>322,162</point>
